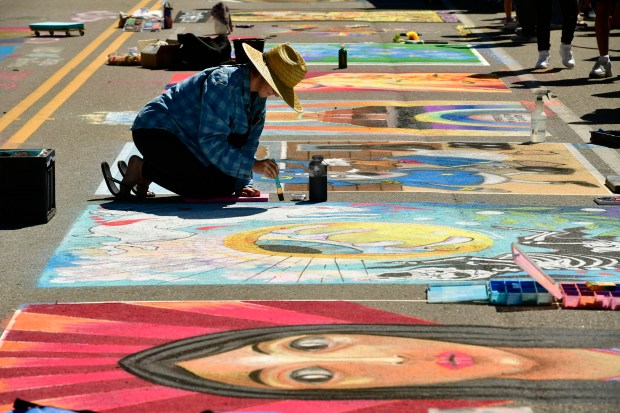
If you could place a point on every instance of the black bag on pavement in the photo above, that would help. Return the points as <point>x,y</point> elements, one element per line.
<point>199,53</point>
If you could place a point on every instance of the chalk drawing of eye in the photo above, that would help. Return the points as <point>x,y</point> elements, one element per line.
<point>312,343</point>
<point>312,374</point>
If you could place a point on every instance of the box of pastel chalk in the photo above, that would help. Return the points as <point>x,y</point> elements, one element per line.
<point>518,292</point>
<point>594,295</point>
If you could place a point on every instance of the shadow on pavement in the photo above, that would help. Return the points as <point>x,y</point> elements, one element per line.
<point>175,206</point>
<point>603,116</point>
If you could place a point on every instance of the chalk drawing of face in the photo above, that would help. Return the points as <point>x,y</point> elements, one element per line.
<point>345,361</point>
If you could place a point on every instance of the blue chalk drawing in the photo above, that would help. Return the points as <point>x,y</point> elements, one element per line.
<point>330,243</point>
<point>6,51</point>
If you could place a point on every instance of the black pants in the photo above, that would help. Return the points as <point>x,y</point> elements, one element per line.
<point>526,12</point>
<point>171,165</point>
<point>569,9</point>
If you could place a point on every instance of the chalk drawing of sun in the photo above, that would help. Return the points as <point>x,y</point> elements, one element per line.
<point>360,240</point>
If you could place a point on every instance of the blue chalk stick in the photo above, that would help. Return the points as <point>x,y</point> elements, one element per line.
<point>544,297</point>
<point>498,292</point>
<point>513,289</point>
<point>450,293</point>
<point>529,296</point>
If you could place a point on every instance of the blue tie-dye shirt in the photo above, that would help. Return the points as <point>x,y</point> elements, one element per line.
<point>203,110</point>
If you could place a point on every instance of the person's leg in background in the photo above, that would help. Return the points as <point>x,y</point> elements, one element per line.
<point>510,23</point>
<point>614,20</point>
<point>556,15</point>
<point>602,67</point>
<point>570,10</point>
<point>587,10</point>
<point>526,14</point>
<point>543,33</point>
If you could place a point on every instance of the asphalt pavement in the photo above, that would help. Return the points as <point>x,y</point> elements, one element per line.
<point>58,92</point>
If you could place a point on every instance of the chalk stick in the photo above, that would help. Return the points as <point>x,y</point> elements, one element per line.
<point>601,285</point>
<point>498,293</point>
<point>450,293</point>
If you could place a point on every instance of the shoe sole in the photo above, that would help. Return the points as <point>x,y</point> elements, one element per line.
<point>109,179</point>
<point>122,168</point>
<point>604,76</point>
<point>111,182</point>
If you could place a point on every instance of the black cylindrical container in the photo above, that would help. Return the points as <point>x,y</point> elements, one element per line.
<point>317,184</point>
<point>342,57</point>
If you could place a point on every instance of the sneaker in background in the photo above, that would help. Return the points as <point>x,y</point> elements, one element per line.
<point>510,24</point>
<point>602,68</point>
<point>566,53</point>
<point>524,37</point>
<point>543,60</point>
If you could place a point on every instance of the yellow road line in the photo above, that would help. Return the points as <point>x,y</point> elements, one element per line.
<point>30,127</point>
<point>46,112</point>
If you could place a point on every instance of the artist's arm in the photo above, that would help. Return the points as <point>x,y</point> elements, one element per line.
<point>264,166</point>
<point>222,114</point>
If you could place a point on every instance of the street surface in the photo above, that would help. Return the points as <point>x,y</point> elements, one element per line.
<point>432,177</point>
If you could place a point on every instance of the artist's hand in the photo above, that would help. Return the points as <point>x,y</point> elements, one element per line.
<point>266,167</point>
<point>249,191</point>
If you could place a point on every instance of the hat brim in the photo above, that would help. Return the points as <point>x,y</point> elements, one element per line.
<point>286,93</point>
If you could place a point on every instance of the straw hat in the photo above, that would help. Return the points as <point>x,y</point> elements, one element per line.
<point>282,67</point>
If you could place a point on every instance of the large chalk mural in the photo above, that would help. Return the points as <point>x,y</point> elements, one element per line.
<point>405,166</point>
<point>438,167</point>
<point>286,243</point>
<point>391,54</point>
<point>382,117</point>
<point>342,29</point>
<point>420,118</point>
<point>409,16</point>
<point>290,357</point>
<point>401,82</point>
<point>391,82</point>
<point>352,30</point>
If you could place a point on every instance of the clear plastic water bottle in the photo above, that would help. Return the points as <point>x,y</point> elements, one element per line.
<point>317,176</point>
<point>539,118</point>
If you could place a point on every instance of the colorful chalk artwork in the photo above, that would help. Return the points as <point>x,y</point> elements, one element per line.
<point>603,296</point>
<point>540,291</point>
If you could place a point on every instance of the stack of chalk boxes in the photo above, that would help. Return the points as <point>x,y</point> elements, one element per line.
<point>517,292</point>
<point>542,290</point>
<point>509,292</point>
<point>599,295</point>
